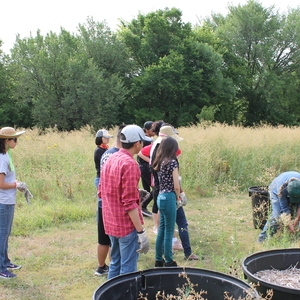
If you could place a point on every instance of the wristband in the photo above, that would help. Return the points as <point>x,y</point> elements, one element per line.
<point>140,232</point>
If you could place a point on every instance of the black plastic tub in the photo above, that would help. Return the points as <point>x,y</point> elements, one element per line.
<point>280,259</point>
<point>260,205</point>
<point>149,282</point>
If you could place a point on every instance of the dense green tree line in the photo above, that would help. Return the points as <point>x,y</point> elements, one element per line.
<point>240,68</point>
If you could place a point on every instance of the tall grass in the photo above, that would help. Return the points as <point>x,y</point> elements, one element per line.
<point>221,159</point>
<point>55,237</point>
<point>217,160</point>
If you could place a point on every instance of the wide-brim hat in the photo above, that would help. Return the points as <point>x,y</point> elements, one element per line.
<point>9,132</point>
<point>293,189</point>
<point>166,131</point>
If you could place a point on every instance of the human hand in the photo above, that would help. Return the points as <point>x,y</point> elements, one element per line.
<point>21,186</point>
<point>291,228</point>
<point>144,242</point>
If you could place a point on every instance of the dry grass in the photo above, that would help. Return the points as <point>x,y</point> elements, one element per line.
<point>55,238</point>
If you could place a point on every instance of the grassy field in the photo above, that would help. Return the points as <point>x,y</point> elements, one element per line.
<point>55,237</point>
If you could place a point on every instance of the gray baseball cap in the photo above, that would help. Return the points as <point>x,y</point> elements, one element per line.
<point>132,134</point>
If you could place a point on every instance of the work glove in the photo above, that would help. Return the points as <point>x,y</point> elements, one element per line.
<point>144,195</point>
<point>144,242</point>
<point>27,195</point>
<point>183,198</point>
<point>21,186</point>
<point>178,204</point>
<point>182,201</point>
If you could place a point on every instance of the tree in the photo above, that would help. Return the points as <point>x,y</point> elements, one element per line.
<point>262,58</point>
<point>176,75</point>
<point>66,86</point>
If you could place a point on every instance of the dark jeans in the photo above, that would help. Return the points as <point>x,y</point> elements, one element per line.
<point>146,182</point>
<point>183,231</point>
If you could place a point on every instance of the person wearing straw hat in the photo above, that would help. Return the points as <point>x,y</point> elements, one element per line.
<point>284,192</point>
<point>8,186</point>
<point>168,130</point>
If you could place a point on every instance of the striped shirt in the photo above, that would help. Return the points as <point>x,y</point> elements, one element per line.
<point>120,177</point>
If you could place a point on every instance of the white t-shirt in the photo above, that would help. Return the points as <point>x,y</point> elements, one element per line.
<point>7,196</point>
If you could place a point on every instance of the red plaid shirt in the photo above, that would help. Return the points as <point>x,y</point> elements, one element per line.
<point>118,190</point>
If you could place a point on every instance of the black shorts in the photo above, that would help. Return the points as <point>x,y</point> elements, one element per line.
<point>103,238</point>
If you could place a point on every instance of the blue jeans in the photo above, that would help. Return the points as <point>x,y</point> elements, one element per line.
<point>183,231</point>
<point>278,207</point>
<point>6,220</point>
<point>167,207</point>
<point>123,254</point>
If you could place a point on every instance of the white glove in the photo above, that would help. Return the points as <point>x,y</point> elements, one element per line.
<point>144,242</point>
<point>183,199</point>
<point>21,186</point>
<point>178,204</point>
<point>27,196</point>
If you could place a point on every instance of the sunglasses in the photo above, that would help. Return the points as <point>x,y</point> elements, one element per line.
<point>14,139</point>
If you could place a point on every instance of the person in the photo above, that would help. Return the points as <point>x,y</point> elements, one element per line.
<point>284,192</point>
<point>181,221</point>
<point>144,154</point>
<point>8,185</point>
<point>122,215</point>
<point>166,166</point>
<point>101,140</point>
<point>145,170</point>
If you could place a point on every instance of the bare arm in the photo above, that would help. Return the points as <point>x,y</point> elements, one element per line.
<point>6,185</point>
<point>144,157</point>
<point>176,183</point>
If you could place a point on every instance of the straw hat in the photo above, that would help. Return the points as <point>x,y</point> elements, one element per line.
<point>9,132</point>
<point>166,131</point>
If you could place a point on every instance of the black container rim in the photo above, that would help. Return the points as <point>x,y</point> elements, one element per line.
<point>178,270</point>
<point>264,190</point>
<point>269,285</point>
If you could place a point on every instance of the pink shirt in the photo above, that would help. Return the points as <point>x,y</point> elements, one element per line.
<point>118,190</point>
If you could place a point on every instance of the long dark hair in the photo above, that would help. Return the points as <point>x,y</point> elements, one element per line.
<point>157,125</point>
<point>165,153</point>
<point>2,146</point>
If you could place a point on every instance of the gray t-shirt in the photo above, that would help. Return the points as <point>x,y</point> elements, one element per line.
<point>7,196</point>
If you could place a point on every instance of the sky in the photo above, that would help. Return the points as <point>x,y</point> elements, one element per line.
<point>27,16</point>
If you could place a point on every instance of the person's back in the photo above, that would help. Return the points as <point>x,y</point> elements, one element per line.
<point>122,216</point>
<point>282,178</point>
<point>120,196</point>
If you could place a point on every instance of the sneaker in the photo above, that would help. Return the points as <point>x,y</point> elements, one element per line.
<point>13,267</point>
<point>176,245</point>
<point>102,270</point>
<point>171,264</point>
<point>146,213</point>
<point>192,257</point>
<point>7,275</point>
<point>159,263</point>
<point>261,238</point>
